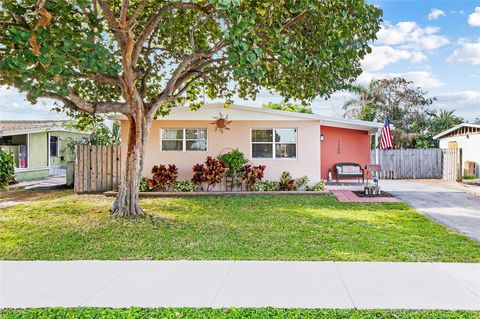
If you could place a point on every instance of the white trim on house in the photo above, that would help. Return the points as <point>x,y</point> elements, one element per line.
<point>273,143</point>
<point>28,150</point>
<point>184,139</point>
<point>31,169</point>
<point>237,112</point>
<point>31,131</point>
<point>48,149</point>
<point>455,128</point>
<point>57,154</point>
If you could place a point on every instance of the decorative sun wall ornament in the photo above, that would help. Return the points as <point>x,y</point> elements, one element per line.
<point>221,123</point>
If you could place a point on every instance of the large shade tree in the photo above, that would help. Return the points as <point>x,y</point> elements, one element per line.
<point>138,57</point>
<point>407,105</point>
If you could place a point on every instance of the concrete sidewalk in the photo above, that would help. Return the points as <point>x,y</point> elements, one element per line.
<point>239,284</point>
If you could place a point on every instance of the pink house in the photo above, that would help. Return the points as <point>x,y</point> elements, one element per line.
<point>303,144</point>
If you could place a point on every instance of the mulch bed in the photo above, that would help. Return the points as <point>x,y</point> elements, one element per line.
<point>382,194</point>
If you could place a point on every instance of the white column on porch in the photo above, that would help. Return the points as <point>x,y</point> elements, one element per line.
<point>377,135</point>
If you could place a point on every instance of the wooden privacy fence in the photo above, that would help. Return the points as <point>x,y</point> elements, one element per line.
<point>97,168</point>
<point>452,164</point>
<point>410,163</point>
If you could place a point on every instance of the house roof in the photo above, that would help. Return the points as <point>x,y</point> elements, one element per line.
<point>23,127</point>
<point>455,128</point>
<point>238,112</point>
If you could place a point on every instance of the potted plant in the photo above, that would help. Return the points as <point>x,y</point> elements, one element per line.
<point>234,160</point>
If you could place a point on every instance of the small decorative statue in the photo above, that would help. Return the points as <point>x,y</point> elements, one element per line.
<point>221,123</point>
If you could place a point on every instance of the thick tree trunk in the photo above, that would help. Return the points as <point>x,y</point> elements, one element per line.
<point>127,201</point>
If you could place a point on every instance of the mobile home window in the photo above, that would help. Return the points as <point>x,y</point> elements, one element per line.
<point>184,139</point>
<point>277,143</point>
<point>54,141</point>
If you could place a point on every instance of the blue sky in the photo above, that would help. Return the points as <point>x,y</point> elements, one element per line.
<point>436,44</point>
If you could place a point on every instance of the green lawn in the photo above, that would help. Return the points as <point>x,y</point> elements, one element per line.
<point>64,226</point>
<point>186,313</point>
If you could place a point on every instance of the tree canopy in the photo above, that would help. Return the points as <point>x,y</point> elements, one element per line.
<point>140,57</point>
<point>289,107</point>
<point>408,107</point>
<point>71,50</point>
<point>435,123</point>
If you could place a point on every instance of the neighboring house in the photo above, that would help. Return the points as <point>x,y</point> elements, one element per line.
<point>303,144</point>
<point>467,137</point>
<point>39,147</point>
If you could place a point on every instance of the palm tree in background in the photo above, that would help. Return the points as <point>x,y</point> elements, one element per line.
<point>363,106</point>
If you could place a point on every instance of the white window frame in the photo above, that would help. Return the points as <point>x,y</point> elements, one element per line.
<point>184,139</point>
<point>273,143</point>
<point>50,143</point>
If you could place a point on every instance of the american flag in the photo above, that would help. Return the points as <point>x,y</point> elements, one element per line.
<point>386,140</point>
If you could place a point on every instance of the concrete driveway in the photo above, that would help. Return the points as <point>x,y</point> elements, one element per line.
<point>454,208</point>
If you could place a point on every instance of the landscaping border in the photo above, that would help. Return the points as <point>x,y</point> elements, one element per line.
<point>220,193</point>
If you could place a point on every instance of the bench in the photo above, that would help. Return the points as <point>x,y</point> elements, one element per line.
<point>349,170</point>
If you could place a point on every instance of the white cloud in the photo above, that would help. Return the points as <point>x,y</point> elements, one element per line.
<point>384,55</point>
<point>435,14</point>
<point>465,103</point>
<point>468,53</point>
<point>424,79</point>
<point>14,106</point>
<point>418,57</point>
<point>408,35</point>
<point>474,18</point>
<point>464,96</point>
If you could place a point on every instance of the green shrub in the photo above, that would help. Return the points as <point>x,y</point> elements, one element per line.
<point>144,185</point>
<point>288,183</point>
<point>234,160</point>
<point>301,182</point>
<point>7,169</point>
<point>318,187</point>
<point>266,186</point>
<point>469,177</point>
<point>185,186</point>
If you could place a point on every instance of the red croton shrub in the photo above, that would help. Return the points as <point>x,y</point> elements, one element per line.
<point>211,172</point>
<point>252,174</point>
<point>163,176</point>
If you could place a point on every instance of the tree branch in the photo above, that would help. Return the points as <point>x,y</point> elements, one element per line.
<point>187,79</point>
<point>102,78</point>
<point>155,20</point>
<point>109,17</point>
<point>149,28</point>
<point>196,27</point>
<point>123,13</point>
<point>188,66</point>
<point>76,103</point>
<point>138,11</point>
<point>292,21</point>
